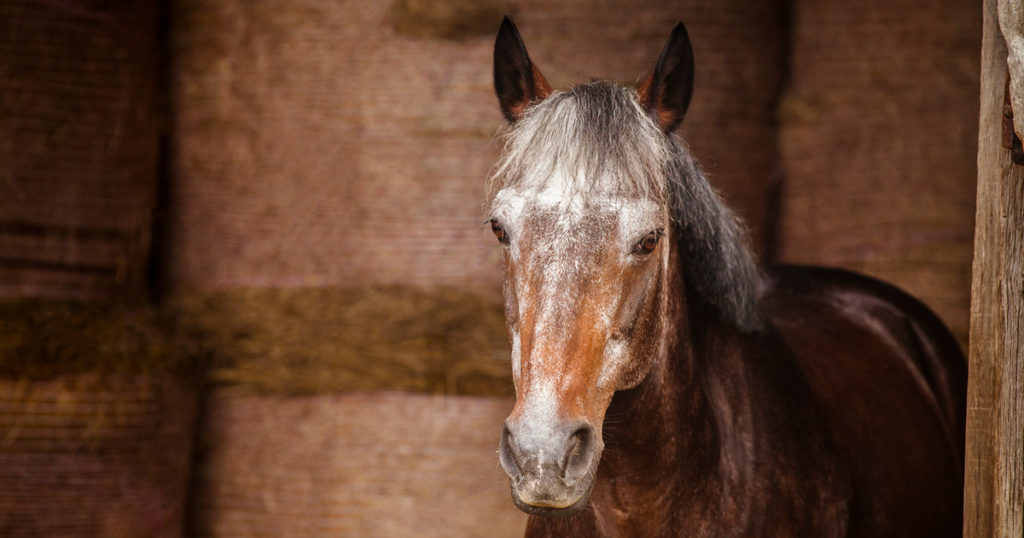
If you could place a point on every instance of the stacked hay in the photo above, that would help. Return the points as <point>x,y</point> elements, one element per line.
<point>321,144</point>
<point>299,441</point>
<point>95,407</point>
<point>96,419</point>
<point>878,137</point>
<point>355,465</point>
<point>78,146</point>
<point>329,167</point>
<point>90,456</point>
<point>305,341</point>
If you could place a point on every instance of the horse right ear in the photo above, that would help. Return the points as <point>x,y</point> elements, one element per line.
<point>516,80</point>
<point>666,92</point>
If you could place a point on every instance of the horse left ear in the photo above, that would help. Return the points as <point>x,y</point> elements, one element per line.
<point>516,80</point>
<point>666,92</point>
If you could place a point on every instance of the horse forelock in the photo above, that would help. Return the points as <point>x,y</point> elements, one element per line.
<point>595,140</point>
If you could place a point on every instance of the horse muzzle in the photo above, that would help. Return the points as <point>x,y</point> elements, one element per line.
<point>551,470</point>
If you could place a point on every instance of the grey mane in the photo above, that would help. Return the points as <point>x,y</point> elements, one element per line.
<point>598,135</point>
<point>717,258</point>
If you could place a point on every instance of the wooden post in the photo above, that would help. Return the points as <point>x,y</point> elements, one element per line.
<point>994,468</point>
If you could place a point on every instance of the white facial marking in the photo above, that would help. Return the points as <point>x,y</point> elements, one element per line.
<point>615,359</point>
<point>540,412</point>
<point>516,358</point>
<point>633,219</point>
<point>637,218</point>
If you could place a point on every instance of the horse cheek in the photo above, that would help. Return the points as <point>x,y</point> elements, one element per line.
<point>642,353</point>
<point>643,340</point>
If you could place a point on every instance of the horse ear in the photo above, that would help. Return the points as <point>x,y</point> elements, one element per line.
<point>666,92</point>
<point>516,80</point>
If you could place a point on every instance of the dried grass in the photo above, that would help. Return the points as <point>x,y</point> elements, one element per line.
<point>326,340</point>
<point>273,341</point>
<point>42,339</point>
<point>447,19</point>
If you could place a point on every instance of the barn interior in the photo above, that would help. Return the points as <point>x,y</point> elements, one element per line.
<point>245,285</point>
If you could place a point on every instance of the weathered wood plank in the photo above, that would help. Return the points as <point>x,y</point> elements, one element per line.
<point>994,494</point>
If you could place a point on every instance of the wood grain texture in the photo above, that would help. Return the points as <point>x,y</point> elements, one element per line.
<point>994,491</point>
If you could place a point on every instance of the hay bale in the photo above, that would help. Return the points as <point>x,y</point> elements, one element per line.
<point>447,19</point>
<point>88,455</point>
<point>318,145</point>
<point>878,137</point>
<point>327,340</point>
<point>78,146</point>
<point>339,151</point>
<point>96,414</point>
<point>377,465</point>
<point>42,339</point>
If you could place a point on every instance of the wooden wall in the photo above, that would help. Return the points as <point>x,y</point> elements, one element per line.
<point>994,493</point>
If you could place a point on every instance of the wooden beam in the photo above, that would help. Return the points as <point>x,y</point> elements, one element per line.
<point>994,467</point>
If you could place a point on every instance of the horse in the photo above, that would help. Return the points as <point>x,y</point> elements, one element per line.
<point>665,384</point>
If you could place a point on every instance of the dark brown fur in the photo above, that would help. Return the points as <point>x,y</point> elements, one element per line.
<point>845,418</point>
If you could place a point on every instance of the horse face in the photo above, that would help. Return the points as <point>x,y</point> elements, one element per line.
<point>583,312</point>
<point>585,268</point>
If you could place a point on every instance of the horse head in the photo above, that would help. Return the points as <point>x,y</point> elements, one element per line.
<point>580,204</point>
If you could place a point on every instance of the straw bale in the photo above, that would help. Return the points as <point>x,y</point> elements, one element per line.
<point>373,465</point>
<point>41,339</point>
<point>447,19</point>
<point>324,340</point>
<point>97,407</point>
<point>90,455</point>
<point>335,144</point>
<point>78,146</point>
<point>878,136</point>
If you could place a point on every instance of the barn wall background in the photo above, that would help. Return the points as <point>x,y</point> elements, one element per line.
<point>878,136</point>
<point>241,251</point>
<point>96,405</point>
<point>325,148</point>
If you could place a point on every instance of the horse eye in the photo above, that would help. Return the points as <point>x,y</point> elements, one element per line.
<point>647,244</point>
<point>499,232</point>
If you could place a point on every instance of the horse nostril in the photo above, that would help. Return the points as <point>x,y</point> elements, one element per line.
<point>507,454</point>
<point>578,451</point>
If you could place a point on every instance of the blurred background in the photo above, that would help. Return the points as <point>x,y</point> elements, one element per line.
<point>244,285</point>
